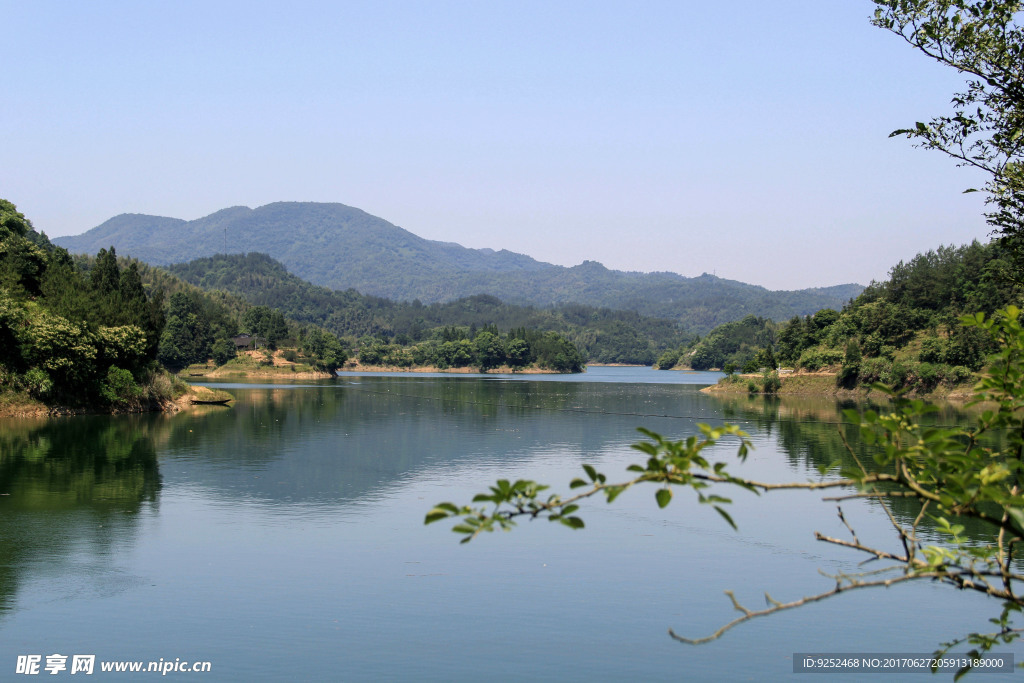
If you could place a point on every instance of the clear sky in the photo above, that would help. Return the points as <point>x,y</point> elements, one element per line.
<point>747,139</point>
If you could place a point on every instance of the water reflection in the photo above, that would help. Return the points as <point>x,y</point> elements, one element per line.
<point>814,433</point>
<point>71,483</point>
<point>284,534</point>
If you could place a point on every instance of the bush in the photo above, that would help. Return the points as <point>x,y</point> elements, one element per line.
<point>933,350</point>
<point>119,386</point>
<point>896,375</point>
<point>923,376</point>
<point>668,360</point>
<point>37,383</point>
<point>771,382</point>
<point>818,357</point>
<point>873,369</point>
<point>955,374</point>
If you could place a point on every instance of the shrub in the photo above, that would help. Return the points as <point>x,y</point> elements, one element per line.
<point>956,374</point>
<point>896,375</point>
<point>923,376</point>
<point>668,360</point>
<point>873,369</point>
<point>933,350</point>
<point>818,357</point>
<point>119,386</point>
<point>37,383</point>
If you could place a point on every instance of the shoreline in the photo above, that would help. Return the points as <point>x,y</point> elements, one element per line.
<point>14,406</point>
<point>823,385</point>
<point>502,370</point>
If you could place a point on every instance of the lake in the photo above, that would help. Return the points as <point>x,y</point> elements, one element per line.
<point>283,539</point>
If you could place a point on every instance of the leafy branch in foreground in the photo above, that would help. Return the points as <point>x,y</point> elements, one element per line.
<point>951,474</point>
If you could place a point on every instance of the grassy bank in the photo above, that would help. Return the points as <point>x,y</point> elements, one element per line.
<point>822,384</point>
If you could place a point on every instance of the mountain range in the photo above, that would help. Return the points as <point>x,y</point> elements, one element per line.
<point>342,247</point>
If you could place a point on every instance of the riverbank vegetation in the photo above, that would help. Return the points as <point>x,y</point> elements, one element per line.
<point>71,338</point>
<point>903,332</point>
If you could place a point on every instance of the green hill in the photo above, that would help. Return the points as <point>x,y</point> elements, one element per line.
<point>341,247</point>
<point>605,335</point>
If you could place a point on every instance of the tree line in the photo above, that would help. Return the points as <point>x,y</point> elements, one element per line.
<point>904,331</point>
<point>603,335</point>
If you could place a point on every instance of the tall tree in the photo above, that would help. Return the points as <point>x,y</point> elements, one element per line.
<point>982,39</point>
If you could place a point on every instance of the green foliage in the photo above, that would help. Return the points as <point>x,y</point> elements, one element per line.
<point>816,358</point>
<point>848,374</point>
<point>12,222</point>
<point>119,387</point>
<point>490,351</point>
<point>983,40</point>
<point>605,335</point>
<point>223,350</point>
<point>325,350</point>
<point>770,382</point>
<point>37,383</point>
<point>668,360</point>
<point>266,323</point>
<point>518,351</point>
<point>904,328</point>
<point>737,342</point>
<point>187,337</point>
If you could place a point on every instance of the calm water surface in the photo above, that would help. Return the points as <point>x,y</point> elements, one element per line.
<point>282,538</point>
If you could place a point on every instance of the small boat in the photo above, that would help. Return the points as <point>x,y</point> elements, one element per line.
<point>201,402</point>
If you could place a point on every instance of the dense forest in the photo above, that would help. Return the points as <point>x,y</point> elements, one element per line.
<point>602,335</point>
<point>73,337</point>
<point>904,331</point>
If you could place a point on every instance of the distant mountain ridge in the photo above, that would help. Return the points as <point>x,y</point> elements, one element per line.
<point>342,247</point>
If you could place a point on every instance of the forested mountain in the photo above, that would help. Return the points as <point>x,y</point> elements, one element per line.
<point>904,332</point>
<point>604,335</point>
<point>341,247</point>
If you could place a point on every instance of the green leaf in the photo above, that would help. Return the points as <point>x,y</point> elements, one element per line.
<point>726,516</point>
<point>664,497</point>
<point>436,514</point>
<point>572,522</point>
<point>591,472</point>
<point>576,483</point>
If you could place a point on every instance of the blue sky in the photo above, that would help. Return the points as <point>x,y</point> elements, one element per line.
<point>748,139</point>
